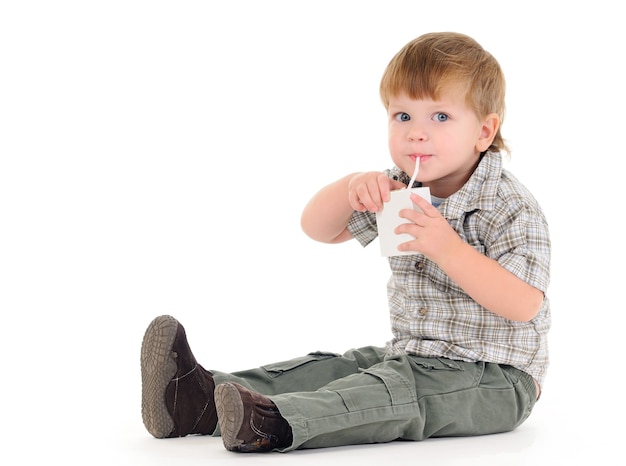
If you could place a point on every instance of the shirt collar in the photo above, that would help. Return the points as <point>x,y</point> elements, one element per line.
<point>479,192</point>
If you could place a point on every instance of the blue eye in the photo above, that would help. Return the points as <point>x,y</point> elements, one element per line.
<point>440,117</point>
<point>403,116</point>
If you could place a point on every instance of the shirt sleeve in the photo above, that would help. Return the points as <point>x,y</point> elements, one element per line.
<point>363,227</point>
<point>522,244</point>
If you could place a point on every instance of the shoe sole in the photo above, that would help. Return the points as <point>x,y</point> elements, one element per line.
<point>158,367</point>
<point>229,414</point>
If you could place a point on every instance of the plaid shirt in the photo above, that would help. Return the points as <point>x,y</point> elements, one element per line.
<point>432,316</point>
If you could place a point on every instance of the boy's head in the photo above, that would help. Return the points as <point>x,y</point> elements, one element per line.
<point>435,62</point>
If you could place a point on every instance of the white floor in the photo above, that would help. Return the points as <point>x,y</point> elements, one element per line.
<point>84,408</point>
<point>549,437</point>
<point>155,158</point>
<point>559,432</point>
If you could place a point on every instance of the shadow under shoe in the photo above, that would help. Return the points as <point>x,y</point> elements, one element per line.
<point>250,422</point>
<point>177,392</point>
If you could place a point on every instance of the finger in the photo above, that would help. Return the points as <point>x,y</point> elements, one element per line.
<point>369,196</point>
<point>365,198</point>
<point>402,229</point>
<point>408,246</point>
<point>395,184</point>
<point>355,203</point>
<point>374,188</point>
<point>386,185</point>
<point>411,245</point>
<point>412,216</point>
<point>423,204</point>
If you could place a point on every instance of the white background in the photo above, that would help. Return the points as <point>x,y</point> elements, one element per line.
<point>155,157</point>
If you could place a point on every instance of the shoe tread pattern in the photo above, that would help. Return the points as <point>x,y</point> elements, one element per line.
<point>230,414</point>
<point>158,367</point>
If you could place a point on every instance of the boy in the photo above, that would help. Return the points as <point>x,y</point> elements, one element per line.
<point>468,308</point>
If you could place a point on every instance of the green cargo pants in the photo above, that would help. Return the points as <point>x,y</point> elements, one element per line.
<point>368,396</point>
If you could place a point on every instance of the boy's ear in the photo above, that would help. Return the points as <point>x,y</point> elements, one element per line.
<point>488,132</point>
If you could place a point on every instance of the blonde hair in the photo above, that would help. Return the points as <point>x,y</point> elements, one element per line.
<point>433,62</point>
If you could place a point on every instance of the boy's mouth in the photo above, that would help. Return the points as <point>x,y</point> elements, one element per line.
<point>421,157</point>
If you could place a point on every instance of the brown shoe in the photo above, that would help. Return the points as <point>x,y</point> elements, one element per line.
<point>177,392</point>
<point>249,421</point>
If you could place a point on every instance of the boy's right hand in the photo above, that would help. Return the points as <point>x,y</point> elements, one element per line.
<point>368,191</point>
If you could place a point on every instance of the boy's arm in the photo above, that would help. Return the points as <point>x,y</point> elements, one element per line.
<point>490,284</point>
<point>325,218</point>
<point>484,279</point>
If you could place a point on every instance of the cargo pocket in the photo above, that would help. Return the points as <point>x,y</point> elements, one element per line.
<point>441,375</point>
<point>279,368</point>
<point>434,364</point>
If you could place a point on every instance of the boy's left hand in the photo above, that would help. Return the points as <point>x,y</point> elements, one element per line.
<point>434,237</point>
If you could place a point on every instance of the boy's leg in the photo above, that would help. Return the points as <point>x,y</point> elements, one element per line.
<point>471,398</point>
<point>404,397</point>
<point>178,393</point>
<point>358,397</point>
<point>376,404</point>
<point>303,374</point>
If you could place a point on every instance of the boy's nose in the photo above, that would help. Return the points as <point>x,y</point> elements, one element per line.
<point>416,133</point>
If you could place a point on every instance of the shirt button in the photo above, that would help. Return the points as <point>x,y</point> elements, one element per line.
<point>422,312</point>
<point>419,266</point>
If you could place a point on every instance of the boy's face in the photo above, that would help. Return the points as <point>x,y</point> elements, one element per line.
<point>446,135</point>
